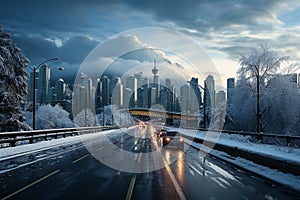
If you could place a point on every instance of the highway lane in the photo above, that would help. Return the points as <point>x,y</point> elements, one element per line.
<point>77,174</point>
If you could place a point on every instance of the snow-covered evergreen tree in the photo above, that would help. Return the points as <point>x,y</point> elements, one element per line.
<point>13,86</point>
<point>49,117</point>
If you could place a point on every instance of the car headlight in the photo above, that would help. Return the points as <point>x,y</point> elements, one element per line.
<point>168,139</point>
<point>181,139</point>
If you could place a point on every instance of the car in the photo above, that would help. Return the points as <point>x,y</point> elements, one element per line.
<point>160,132</point>
<point>173,138</point>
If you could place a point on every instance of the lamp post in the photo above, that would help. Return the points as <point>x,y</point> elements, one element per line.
<point>33,92</point>
<point>204,102</point>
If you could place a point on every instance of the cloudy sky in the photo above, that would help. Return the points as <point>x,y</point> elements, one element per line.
<point>70,29</point>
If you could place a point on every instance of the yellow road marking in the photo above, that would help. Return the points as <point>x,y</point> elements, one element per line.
<point>31,184</point>
<point>79,159</point>
<point>130,189</point>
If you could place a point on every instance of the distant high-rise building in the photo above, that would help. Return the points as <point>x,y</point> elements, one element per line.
<point>185,98</point>
<point>79,99</point>
<point>43,85</point>
<point>168,83</point>
<point>142,91</point>
<point>145,83</point>
<point>167,96</point>
<point>60,89</point>
<point>51,94</point>
<point>230,83</point>
<point>139,79</point>
<point>131,83</point>
<point>87,83</point>
<point>220,97</point>
<point>98,96</point>
<point>105,90</point>
<point>209,92</point>
<point>127,95</point>
<point>117,95</point>
<point>141,99</point>
<point>195,96</point>
<point>230,88</point>
<point>152,96</point>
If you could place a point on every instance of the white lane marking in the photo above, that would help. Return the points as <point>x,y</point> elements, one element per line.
<point>174,181</point>
<point>195,169</point>
<point>79,159</point>
<point>31,184</point>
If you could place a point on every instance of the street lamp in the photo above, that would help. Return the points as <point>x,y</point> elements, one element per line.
<point>33,92</point>
<point>204,102</point>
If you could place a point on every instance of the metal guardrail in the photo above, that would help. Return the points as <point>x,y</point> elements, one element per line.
<point>259,136</point>
<point>13,137</point>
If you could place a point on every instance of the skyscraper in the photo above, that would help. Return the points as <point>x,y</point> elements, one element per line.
<point>166,95</point>
<point>195,96</point>
<point>185,98</point>
<point>117,94</point>
<point>98,96</point>
<point>105,90</point>
<point>131,83</point>
<point>139,79</point>
<point>209,92</point>
<point>152,96</point>
<point>43,85</point>
<point>220,97</point>
<point>60,89</point>
<point>127,95</point>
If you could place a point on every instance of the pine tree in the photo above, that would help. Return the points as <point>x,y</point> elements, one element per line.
<point>13,85</point>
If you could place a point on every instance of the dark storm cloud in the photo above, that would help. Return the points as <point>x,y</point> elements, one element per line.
<point>73,51</point>
<point>46,17</point>
<point>35,21</point>
<point>207,15</point>
<point>202,15</point>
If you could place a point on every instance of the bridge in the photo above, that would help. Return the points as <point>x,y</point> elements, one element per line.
<point>169,117</point>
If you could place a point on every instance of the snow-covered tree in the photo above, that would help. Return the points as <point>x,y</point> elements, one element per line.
<point>218,116</point>
<point>264,99</point>
<point>282,105</point>
<point>257,69</point>
<point>114,116</point>
<point>85,118</point>
<point>49,117</point>
<point>241,111</point>
<point>13,86</point>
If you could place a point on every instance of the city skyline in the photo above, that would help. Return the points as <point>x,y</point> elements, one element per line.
<point>133,90</point>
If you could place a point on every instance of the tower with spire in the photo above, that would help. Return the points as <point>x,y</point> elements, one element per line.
<point>155,82</point>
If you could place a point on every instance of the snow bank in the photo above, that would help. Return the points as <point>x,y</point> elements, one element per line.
<point>284,153</point>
